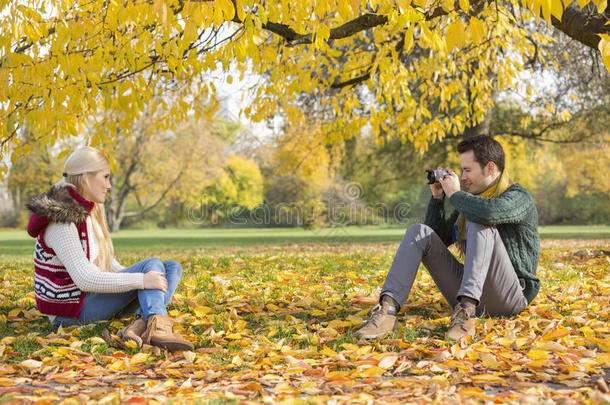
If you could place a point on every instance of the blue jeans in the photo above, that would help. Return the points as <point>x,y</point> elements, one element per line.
<point>103,306</point>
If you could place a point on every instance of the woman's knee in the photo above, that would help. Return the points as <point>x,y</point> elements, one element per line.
<point>172,266</point>
<point>154,264</point>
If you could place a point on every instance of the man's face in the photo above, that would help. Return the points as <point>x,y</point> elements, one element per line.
<point>474,178</point>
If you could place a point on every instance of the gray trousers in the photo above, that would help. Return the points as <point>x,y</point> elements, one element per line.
<point>487,274</point>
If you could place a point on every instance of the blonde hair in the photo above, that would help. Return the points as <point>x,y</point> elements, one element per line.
<point>82,161</point>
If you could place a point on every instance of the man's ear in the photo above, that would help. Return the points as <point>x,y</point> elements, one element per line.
<point>492,168</point>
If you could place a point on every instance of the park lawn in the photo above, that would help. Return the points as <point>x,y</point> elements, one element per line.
<point>17,243</point>
<point>274,325</point>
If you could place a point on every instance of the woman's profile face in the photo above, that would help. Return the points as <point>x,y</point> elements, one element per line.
<point>97,185</point>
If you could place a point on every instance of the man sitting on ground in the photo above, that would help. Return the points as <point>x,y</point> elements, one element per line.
<point>496,227</point>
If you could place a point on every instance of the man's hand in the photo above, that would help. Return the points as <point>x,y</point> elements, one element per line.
<point>436,188</point>
<point>450,183</point>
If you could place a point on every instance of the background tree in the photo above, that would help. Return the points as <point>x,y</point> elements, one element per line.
<point>156,168</point>
<point>301,169</point>
<point>238,187</point>
<point>28,176</point>
<point>151,171</point>
<point>568,97</point>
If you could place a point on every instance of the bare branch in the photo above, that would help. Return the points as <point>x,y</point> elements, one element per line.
<point>358,24</point>
<point>350,82</point>
<point>161,198</point>
<point>538,137</point>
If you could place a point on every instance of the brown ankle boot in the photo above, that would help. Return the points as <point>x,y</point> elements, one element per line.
<point>462,322</point>
<point>134,331</point>
<point>382,319</point>
<point>160,332</point>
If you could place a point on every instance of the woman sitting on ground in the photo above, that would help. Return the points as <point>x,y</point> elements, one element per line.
<point>77,280</point>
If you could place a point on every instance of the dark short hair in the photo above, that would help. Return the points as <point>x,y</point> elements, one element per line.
<point>485,148</point>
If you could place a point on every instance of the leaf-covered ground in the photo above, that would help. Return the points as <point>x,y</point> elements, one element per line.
<point>278,326</point>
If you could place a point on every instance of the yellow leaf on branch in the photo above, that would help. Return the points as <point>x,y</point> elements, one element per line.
<point>557,8</point>
<point>477,30</point>
<point>604,48</point>
<point>456,35</point>
<point>601,5</point>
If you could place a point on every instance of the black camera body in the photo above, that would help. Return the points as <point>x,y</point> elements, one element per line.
<point>435,175</point>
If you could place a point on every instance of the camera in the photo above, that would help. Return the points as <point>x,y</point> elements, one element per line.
<point>435,175</point>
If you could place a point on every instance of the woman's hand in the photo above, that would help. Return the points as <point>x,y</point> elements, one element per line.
<point>155,280</point>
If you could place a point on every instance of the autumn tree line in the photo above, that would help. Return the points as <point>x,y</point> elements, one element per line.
<point>370,93</point>
<point>217,173</point>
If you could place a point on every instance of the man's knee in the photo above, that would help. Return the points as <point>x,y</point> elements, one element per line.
<point>475,227</point>
<point>174,267</point>
<point>417,231</point>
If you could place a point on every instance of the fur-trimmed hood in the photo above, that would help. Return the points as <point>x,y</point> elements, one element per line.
<point>59,204</point>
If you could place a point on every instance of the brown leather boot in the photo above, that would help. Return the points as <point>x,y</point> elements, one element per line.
<point>134,331</point>
<point>160,332</point>
<point>462,322</point>
<point>382,319</point>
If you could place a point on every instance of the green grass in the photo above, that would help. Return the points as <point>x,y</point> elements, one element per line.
<point>575,231</point>
<point>23,349</point>
<point>17,243</point>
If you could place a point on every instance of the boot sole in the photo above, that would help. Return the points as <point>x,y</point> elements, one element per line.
<point>172,346</point>
<point>130,339</point>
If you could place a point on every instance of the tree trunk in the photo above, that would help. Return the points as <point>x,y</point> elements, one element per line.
<point>349,157</point>
<point>115,209</point>
<point>114,214</point>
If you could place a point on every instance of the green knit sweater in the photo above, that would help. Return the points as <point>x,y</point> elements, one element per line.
<point>514,215</point>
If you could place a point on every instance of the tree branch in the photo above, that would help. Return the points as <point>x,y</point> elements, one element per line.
<point>161,197</point>
<point>583,25</point>
<point>337,85</point>
<point>358,24</point>
<point>538,137</point>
